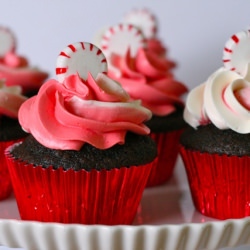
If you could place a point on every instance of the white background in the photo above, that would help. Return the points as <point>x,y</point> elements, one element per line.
<point>195,31</point>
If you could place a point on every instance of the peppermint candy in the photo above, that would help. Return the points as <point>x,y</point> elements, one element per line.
<point>144,20</point>
<point>236,54</point>
<point>119,38</point>
<point>81,58</point>
<point>7,41</point>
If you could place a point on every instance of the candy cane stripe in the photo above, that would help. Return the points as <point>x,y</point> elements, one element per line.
<point>235,38</point>
<point>98,52</point>
<point>64,54</point>
<point>72,48</point>
<point>61,70</point>
<point>82,44</point>
<point>228,50</point>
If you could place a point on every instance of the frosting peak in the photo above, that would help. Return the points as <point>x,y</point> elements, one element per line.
<point>147,77</point>
<point>10,100</point>
<point>222,100</point>
<point>16,71</point>
<point>95,111</point>
<point>14,61</point>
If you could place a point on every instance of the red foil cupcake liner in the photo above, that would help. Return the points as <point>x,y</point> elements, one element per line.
<point>5,182</point>
<point>219,184</point>
<point>168,149</point>
<point>107,197</point>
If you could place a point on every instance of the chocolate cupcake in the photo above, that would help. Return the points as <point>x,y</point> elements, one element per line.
<point>10,130</point>
<point>147,76</point>
<point>215,149</point>
<point>15,69</point>
<point>88,157</point>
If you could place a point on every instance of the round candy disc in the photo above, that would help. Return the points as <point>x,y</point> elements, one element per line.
<point>7,41</point>
<point>144,20</point>
<point>81,58</point>
<point>97,39</point>
<point>118,39</point>
<point>236,54</point>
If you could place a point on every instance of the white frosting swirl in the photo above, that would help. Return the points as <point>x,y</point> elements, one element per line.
<point>223,100</point>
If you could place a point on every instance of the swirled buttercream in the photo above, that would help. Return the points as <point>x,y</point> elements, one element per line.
<point>155,45</point>
<point>16,71</point>
<point>222,100</point>
<point>10,100</point>
<point>96,111</point>
<point>148,77</point>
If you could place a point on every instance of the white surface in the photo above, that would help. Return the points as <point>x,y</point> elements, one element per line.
<point>195,31</point>
<point>166,220</point>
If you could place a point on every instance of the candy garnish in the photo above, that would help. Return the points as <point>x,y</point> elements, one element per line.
<point>119,38</point>
<point>144,20</point>
<point>81,58</point>
<point>236,54</point>
<point>7,41</point>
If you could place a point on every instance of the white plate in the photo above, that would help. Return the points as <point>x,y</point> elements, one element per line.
<point>166,219</point>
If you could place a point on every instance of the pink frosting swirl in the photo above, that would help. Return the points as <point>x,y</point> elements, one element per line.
<point>10,100</point>
<point>98,112</point>
<point>16,71</point>
<point>147,77</point>
<point>155,45</point>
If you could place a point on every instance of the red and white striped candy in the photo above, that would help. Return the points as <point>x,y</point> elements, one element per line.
<point>144,20</point>
<point>7,41</point>
<point>119,38</point>
<point>236,54</point>
<point>81,58</point>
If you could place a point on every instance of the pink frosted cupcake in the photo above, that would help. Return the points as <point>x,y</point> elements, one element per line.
<point>15,69</point>
<point>10,130</point>
<point>148,77</point>
<point>88,157</point>
<point>216,149</point>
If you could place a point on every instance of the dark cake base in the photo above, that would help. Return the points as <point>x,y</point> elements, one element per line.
<point>138,150</point>
<point>210,139</point>
<point>174,121</point>
<point>10,129</point>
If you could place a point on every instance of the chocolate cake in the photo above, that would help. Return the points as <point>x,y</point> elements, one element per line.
<point>10,129</point>
<point>174,121</point>
<point>210,139</point>
<point>137,150</point>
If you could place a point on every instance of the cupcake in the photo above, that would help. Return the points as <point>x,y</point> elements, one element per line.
<point>88,156</point>
<point>215,148</point>
<point>148,77</point>
<point>10,130</point>
<point>15,69</point>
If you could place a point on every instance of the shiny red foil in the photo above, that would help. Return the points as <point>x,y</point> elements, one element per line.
<point>5,182</point>
<point>168,148</point>
<point>219,184</point>
<point>109,197</point>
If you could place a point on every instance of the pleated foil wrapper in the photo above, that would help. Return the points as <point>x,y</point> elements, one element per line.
<point>168,149</point>
<point>5,182</point>
<point>219,184</point>
<point>109,197</point>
